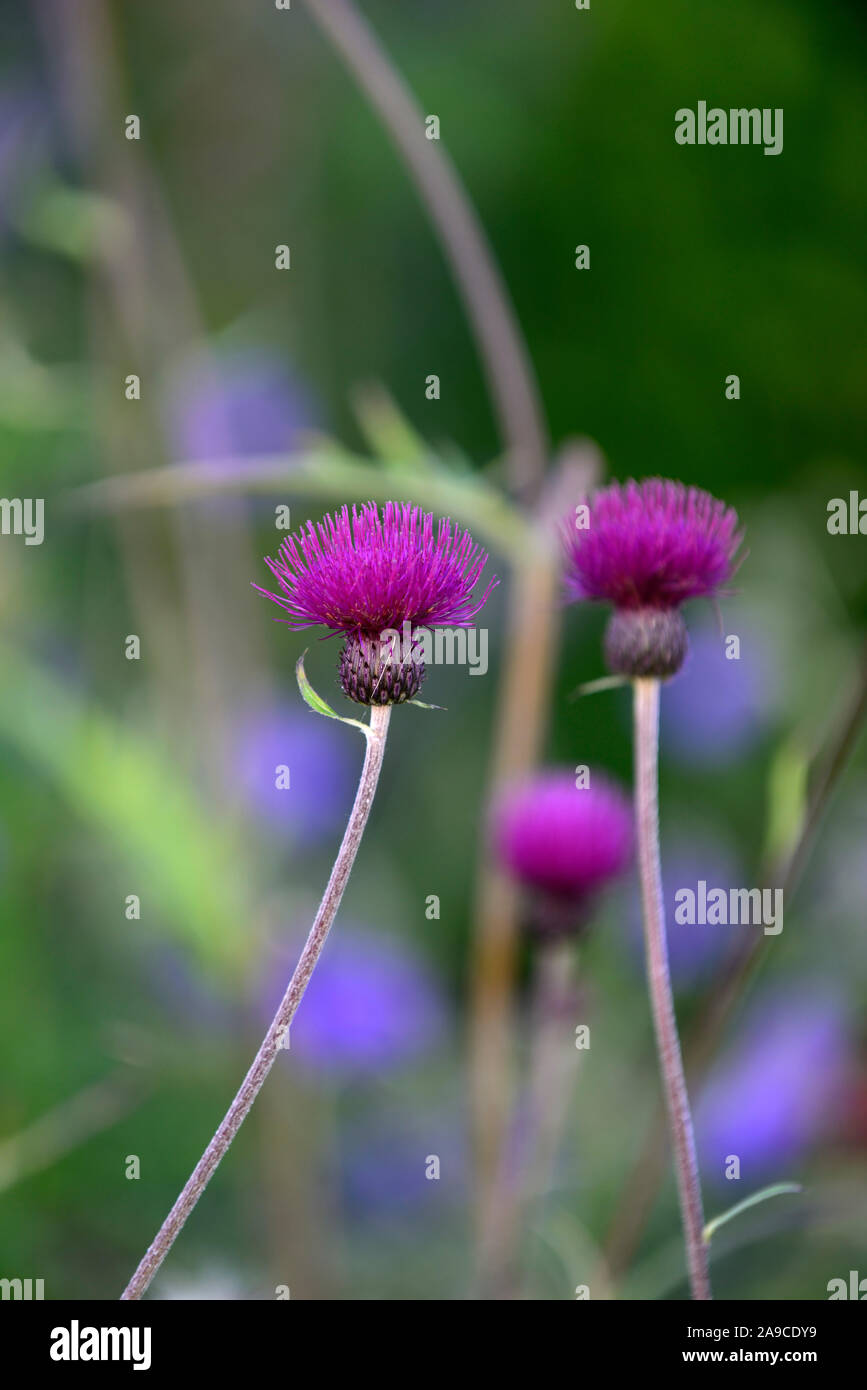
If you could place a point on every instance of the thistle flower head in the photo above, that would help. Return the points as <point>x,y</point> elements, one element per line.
<point>563,842</point>
<point>372,1004</point>
<point>782,1086</point>
<point>652,544</point>
<point>647,548</point>
<point>364,573</point>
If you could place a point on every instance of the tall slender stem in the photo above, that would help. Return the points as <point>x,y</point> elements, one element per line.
<point>273,1040</point>
<point>646,723</point>
<point>722,997</point>
<point>502,350</point>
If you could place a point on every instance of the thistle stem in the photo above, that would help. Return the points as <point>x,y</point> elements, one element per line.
<point>504,356</point>
<point>273,1040</point>
<point>725,993</point>
<point>524,1176</point>
<point>646,725</point>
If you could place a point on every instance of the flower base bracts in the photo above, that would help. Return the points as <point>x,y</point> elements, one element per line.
<point>370,674</point>
<point>641,642</point>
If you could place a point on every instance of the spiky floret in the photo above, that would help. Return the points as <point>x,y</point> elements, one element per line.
<point>362,572</point>
<point>652,544</point>
<point>367,575</point>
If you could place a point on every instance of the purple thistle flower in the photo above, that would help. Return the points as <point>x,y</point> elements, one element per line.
<point>384,1165</point>
<point>652,544</point>
<point>229,406</point>
<point>647,548</point>
<point>716,709</point>
<point>563,842</point>
<point>365,574</point>
<point>23,131</point>
<point>777,1091</point>
<point>269,736</point>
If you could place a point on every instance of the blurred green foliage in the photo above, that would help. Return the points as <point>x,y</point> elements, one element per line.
<point>704,262</point>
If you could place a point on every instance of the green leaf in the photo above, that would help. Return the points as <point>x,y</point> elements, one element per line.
<point>777,1189</point>
<point>72,222</point>
<point>132,793</point>
<point>594,687</point>
<point>787,799</point>
<point>388,431</point>
<point>326,470</point>
<point>35,397</point>
<point>316,702</point>
<point>420,704</point>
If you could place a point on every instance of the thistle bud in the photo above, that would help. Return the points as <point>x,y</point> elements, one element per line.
<point>371,672</point>
<point>645,642</point>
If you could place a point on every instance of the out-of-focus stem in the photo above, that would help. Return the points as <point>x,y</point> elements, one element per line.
<point>532,619</point>
<point>323,470</point>
<point>519,735</point>
<point>646,726</point>
<point>68,1125</point>
<point>503,353</point>
<point>299,1207</point>
<point>138,330</point>
<point>273,1040</point>
<point>553,1060</point>
<point>525,1170</point>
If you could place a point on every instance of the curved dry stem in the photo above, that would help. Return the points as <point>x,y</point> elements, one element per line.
<point>646,720</point>
<point>533,623</point>
<point>529,657</point>
<point>273,1040</point>
<point>504,356</point>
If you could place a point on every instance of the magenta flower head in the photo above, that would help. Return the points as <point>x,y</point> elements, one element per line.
<point>563,842</point>
<point>374,577</point>
<point>648,547</point>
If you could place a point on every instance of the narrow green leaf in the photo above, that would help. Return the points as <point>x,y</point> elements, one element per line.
<point>316,702</point>
<point>125,785</point>
<point>594,687</point>
<point>787,799</point>
<point>326,471</point>
<point>777,1189</point>
<point>421,705</point>
<point>388,431</point>
<point>70,221</point>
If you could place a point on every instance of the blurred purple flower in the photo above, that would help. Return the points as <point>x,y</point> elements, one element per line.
<point>23,126</point>
<point>233,405</point>
<point>385,1161</point>
<point>319,795</point>
<point>715,708</point>
<point>188,996</point>
<point>651,544</point>
<point>371,1005</point>
<point>553,835</point>
<point>695,950</point>
<point>777,1091</point>
<point>562,842</point>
